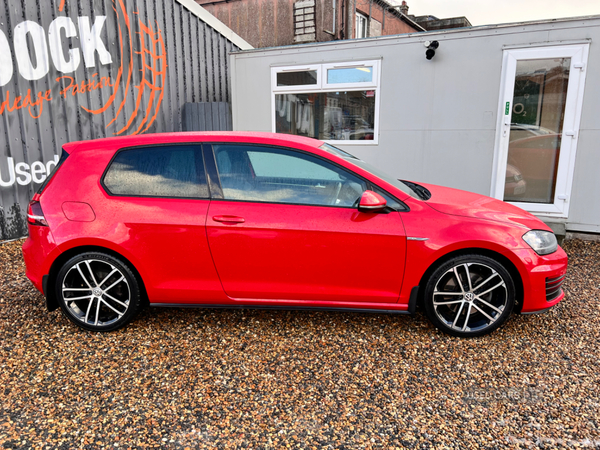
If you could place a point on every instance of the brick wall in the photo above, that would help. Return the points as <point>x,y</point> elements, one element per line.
<point>392,24</point>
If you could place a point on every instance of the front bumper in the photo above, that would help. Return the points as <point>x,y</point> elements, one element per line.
<point>541,291</point>
<point>541,311</point>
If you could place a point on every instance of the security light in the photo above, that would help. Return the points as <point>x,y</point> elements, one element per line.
<point>431,47</point>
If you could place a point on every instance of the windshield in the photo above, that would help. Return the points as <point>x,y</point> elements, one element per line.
<point>337,151</point>
<point>368,167</point>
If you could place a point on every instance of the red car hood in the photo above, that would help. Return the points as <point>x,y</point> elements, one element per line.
<point>462,203</point>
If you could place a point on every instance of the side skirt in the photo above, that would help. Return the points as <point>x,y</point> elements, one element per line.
<point>284,308</point>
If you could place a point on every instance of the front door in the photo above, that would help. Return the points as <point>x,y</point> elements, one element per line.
<point>540,108</point>
<point>288,228</point>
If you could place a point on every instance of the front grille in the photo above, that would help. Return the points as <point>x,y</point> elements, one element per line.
<point>553,287</point>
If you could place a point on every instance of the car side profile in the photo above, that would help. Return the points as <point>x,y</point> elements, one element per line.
<point>261,220</point>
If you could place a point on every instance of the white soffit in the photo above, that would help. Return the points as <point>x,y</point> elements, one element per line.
<point>215,23</point>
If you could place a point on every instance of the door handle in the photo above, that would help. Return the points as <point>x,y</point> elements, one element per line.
<point>229,219</point>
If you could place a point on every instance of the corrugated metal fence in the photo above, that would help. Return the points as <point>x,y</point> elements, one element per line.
<point>214,116</point>
<point>75,70</point>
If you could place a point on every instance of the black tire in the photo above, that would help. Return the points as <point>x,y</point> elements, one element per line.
<point>469,296</point>
<point>106,291</point>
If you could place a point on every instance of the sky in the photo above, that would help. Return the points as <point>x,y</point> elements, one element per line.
<point>485,12</point>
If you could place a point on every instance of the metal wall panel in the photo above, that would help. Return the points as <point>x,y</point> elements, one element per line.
<point>76,70</point>
<point>207,116</point>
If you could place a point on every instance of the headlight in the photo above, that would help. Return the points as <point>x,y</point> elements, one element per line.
<point>543,242</point>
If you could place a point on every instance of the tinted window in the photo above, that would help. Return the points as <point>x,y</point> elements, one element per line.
<point>63,157</point>
<point>297,78</point>
<point>170,171</point>
<point>269,164</point>
<point>284,176</point>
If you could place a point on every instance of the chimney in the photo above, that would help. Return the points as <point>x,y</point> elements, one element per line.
<point>404,8</point>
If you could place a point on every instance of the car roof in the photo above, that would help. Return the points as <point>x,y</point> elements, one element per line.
<point>194,136</point>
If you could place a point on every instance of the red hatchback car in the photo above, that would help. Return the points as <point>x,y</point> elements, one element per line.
<point>260,220</point>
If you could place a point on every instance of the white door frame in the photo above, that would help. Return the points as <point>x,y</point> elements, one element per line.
<point>574,101</point>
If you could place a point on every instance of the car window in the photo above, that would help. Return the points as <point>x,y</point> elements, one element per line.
<point>267,164</point>
<point>170,171</point>
<point>275,175</point>
<point>363,165</point>
<point>63,157</point>
<point>391,202</point>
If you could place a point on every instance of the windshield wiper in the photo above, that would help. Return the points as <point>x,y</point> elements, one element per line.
<point>421,191</point>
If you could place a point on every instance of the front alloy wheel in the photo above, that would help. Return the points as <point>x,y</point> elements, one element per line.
<point>469,296</point>
<point>97,292</point>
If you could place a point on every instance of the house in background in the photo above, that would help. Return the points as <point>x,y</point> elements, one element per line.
<point>272,23</point>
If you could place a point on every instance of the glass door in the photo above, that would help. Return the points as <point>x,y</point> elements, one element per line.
<point>540,108</point>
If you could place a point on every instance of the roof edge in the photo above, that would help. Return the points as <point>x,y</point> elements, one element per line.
<point>215,23</point>
<point>396,12</point>
<point>187,137</point>
<point>423,34</point>
<point>411,22</point>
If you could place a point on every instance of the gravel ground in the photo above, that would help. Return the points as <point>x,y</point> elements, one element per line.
<point>262,379</point>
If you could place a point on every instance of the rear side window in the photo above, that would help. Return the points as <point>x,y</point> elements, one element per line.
<point>63,157</point>
<point>167,171</point>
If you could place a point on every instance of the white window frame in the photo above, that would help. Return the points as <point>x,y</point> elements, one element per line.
<point>365,20</point>
<point>323,86</point>
<point>298,88</point>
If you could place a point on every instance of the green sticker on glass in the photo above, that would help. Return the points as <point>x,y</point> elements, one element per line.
<point>507,110</point>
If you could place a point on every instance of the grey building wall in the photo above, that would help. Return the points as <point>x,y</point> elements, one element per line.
<point>438,118</point>
<point>76,70</point>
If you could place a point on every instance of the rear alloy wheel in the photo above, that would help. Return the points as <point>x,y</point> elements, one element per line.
<point>97,292</point>
<point>469,296</point>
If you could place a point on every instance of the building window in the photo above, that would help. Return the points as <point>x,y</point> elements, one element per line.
<point>337,103</point>
<point>361,26</point>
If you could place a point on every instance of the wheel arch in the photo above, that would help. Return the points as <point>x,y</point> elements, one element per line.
<point>499,257</point>
<point>52,301</point>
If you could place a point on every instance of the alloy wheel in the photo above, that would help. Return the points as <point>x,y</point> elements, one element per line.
<point>470,296</point>
<point>96,292</point>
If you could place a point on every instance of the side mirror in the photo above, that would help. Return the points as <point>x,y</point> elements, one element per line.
<point>371,202</point>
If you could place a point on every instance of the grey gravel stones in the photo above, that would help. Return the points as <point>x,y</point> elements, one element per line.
<point>270,379</point>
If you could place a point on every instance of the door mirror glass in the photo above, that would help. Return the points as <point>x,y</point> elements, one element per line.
<point>371,202</point>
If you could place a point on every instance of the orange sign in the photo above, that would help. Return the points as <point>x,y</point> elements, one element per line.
<point>137,40</point>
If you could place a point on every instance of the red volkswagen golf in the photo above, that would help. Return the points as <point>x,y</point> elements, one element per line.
<point>259,220</point>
